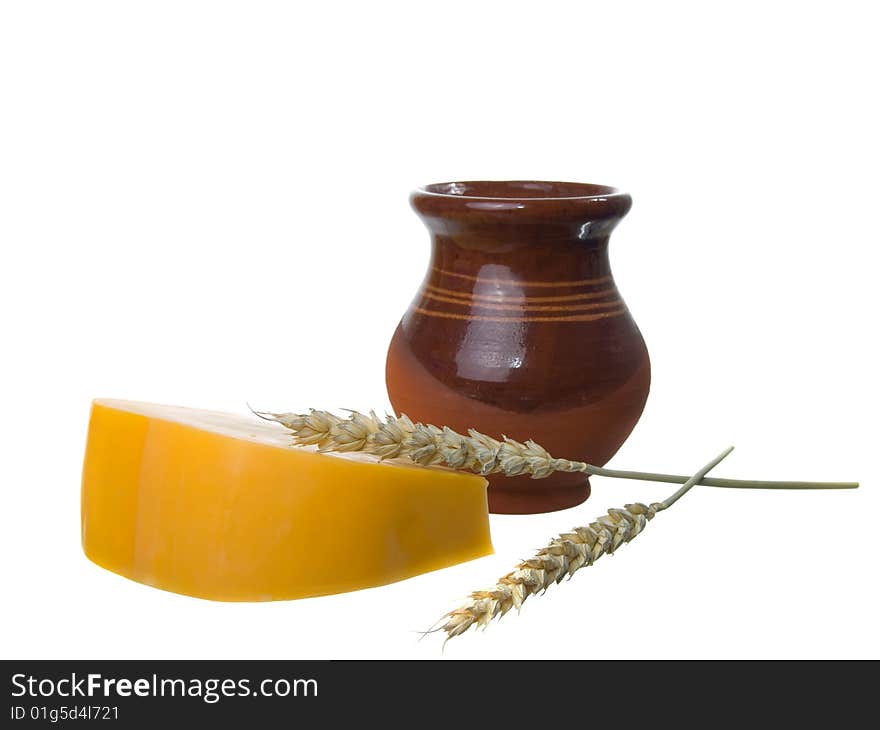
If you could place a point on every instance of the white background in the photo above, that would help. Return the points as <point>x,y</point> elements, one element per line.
<point>205,203</point>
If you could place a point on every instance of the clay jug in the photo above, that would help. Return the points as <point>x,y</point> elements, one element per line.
<point>519,329</point>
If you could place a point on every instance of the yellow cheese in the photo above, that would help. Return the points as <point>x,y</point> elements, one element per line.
<point>223,507</point>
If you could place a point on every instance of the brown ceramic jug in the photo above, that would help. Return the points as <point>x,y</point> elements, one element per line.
<point>518,329</point>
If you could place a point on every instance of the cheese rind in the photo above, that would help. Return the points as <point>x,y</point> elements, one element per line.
<point>222,507</point>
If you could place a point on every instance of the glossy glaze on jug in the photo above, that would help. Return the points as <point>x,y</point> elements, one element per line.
<point>519,329</point>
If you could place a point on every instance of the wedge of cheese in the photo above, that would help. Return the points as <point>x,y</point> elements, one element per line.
<point>220,506</point>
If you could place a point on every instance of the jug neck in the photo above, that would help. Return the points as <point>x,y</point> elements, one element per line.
<point>521,231</point>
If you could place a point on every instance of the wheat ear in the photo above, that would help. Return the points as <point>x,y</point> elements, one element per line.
<point>397,438</point>
<point>565,555</point>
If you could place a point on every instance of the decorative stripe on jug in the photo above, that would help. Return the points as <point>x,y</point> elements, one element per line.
<point>522,283</point>
<point>557,318</point>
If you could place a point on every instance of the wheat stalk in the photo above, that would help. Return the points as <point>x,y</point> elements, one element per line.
<point>564,556</point>
<point>401,438</point>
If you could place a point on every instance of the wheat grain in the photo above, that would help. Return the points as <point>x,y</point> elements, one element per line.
<point>565,555</point>
<point>429,445</point>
